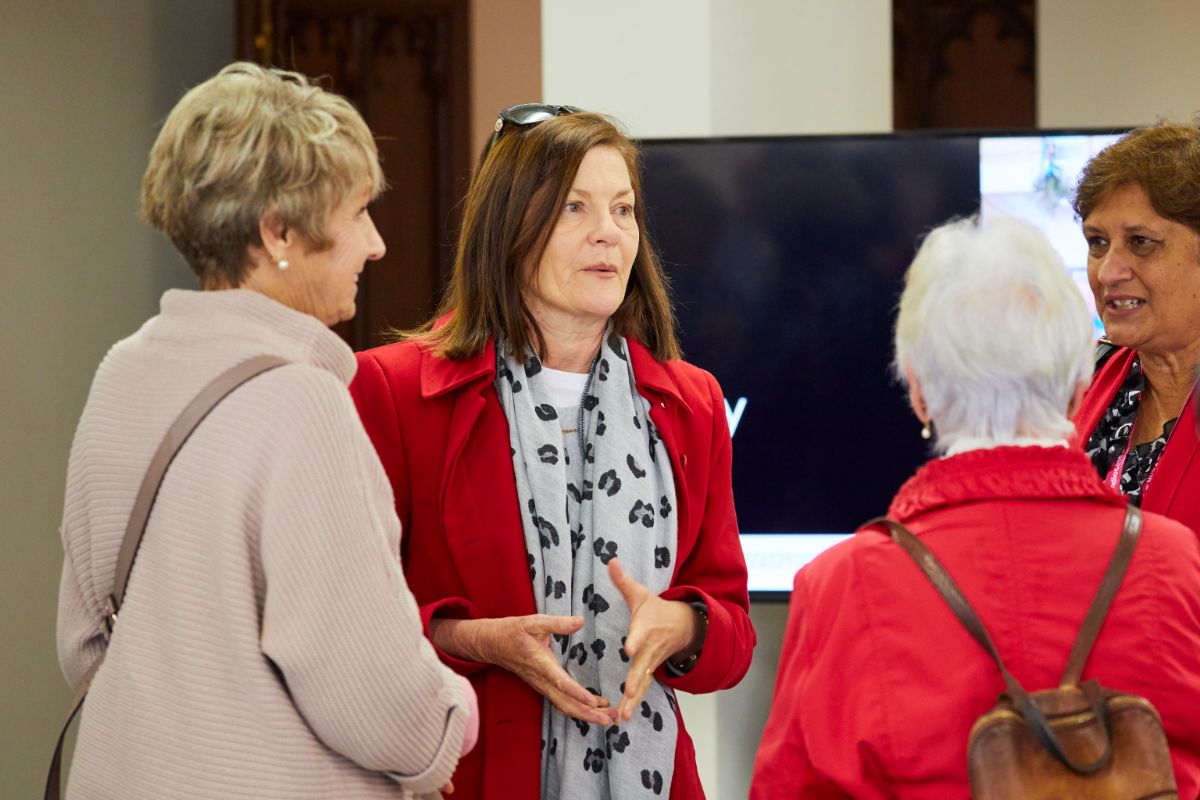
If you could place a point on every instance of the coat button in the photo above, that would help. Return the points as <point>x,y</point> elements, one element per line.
<point>683,460</point>
<point>662,403</point>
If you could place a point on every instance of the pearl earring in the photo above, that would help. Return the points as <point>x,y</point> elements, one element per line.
<point>282,264</point>
<point>927,431</point>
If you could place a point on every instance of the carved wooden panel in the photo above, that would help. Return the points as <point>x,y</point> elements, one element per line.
<point>404,65</point>
<point>964,64</point>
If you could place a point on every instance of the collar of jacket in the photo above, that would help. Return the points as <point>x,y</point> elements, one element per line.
<point>1001,473</point>
<point>443,375</point>
<point>1168,493</point>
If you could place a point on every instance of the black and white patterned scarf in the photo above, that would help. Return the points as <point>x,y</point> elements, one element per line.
<point>1110,440</point>
<point>625,507</point>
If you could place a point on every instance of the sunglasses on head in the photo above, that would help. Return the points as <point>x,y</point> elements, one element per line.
<point>523,116</point>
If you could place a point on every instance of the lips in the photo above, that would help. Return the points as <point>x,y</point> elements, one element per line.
<point>602,269</point>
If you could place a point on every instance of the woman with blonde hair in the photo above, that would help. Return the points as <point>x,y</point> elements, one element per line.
<point>268,645</point>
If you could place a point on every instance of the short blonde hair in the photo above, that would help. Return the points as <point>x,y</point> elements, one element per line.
<point>247,143</point>
<point>995,330</point>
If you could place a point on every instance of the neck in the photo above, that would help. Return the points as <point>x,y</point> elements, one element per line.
<point>571,345</point>
<point>1170,377</point>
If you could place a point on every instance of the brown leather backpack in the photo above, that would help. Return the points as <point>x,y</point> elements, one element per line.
<point>1076,741</point>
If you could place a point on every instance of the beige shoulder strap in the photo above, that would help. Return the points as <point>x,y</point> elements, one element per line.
<point>192,416</point>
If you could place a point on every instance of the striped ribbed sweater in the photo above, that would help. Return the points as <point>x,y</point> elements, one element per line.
<point>268,646</point>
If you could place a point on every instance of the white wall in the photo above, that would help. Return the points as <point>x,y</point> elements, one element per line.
<point>1104,63</point>
<point>645,62</point>
<point>82,86</point>
<point>800,66</point>
<point>682,68</point>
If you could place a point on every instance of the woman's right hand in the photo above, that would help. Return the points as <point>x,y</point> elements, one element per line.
<point>521,645</point>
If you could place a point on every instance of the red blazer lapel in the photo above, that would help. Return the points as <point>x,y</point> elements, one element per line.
<point>655,383</point>
<point>479,500</point>
<point>1165,494</point>
<point>1100,394</point>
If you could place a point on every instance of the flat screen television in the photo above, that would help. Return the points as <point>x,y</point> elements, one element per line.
<point>786,257</point>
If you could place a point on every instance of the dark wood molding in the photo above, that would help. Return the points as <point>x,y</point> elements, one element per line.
<point>405,66</point>
<point>964,64</point>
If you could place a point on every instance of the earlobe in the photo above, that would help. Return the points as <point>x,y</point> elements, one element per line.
<point>276,238</point>
<point>916,397</point>
<point>274,233</point>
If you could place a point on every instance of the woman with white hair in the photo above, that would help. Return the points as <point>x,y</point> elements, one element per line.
<point>879,683</point>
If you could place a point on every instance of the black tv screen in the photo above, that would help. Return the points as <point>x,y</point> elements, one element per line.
<point>786,257</point>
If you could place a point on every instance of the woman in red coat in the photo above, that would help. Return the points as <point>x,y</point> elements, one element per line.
<point>1139,200</point>
<point>563,479</point>
<point>879,683</point>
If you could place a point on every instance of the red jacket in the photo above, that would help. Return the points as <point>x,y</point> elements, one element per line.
<point>1174,488</point>
<point>443,439</point>
<point>879,682</point>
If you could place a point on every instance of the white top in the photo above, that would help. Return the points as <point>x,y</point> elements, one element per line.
<point>565,388</point>
<point>268,646</point>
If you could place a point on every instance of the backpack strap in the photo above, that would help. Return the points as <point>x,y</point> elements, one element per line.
<point>135,529</point>
<point>962,609</point>
<point>1104,596</point>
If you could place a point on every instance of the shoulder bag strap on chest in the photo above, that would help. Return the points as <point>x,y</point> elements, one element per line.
<point>180,430</point>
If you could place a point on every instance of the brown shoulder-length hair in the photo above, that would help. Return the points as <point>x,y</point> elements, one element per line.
<point>512,206</point>
<point>1163,159</point>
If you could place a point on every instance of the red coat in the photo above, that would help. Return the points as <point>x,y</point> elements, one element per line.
<point>1174,488</point>
<point>443,439</point>
<point>879,682</point>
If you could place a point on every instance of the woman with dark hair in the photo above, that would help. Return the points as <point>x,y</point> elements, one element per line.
<point>563,478</point>
<point>1139,200</point>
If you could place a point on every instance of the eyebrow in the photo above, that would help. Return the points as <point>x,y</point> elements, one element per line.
<point>588,194</point>
<point>1124,229</point>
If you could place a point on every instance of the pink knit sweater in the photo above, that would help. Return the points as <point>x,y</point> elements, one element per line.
<point>269,646</point>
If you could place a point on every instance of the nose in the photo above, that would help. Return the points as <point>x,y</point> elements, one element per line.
<point>1114,266</point>
<point>375,246</point>
<point>606,230</point>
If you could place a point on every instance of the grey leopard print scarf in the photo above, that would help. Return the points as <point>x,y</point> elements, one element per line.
<point>625,507</point>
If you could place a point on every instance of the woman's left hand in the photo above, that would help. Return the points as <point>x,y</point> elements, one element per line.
<point>658,629</point>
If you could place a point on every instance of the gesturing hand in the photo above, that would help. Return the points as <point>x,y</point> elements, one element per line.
<point>521,645</point>
<point>658,630</point>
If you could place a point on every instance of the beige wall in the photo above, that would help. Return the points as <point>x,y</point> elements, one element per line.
<point>506,61</point>
<point>1104,63</point>
<point>81,87</point>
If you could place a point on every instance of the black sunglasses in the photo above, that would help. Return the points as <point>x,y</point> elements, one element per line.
<point>523,116</point>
